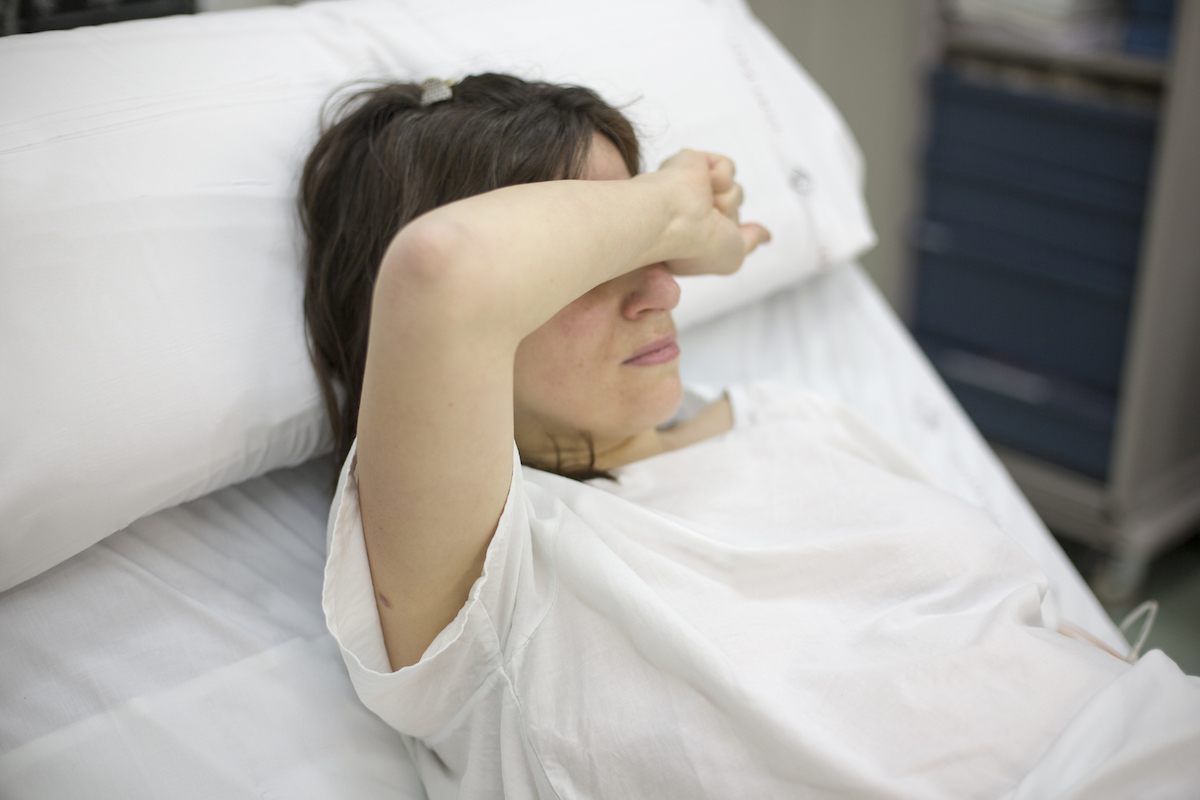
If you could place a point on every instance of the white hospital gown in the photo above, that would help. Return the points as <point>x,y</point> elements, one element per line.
<point>790,609</point>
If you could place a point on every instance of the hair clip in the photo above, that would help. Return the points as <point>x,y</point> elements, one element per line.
<point>435,90</point>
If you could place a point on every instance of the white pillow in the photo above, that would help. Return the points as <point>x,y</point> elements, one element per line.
<point>151,336</point>
<point>705,75</point>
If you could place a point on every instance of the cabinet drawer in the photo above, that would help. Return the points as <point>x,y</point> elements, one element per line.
<point>978,243</point>
<point>1106,236</point>
<point>1116,143</point>
<point>1054,438</point>
<point>1044,324</point>
<point>964,161</point>
<point>1055,420</point>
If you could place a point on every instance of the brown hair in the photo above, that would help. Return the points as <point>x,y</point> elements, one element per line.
<point>383,159</point>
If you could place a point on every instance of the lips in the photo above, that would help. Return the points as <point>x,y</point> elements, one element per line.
<point>660,351</point>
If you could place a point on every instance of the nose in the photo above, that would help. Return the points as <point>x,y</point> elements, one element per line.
<point>653,290</point>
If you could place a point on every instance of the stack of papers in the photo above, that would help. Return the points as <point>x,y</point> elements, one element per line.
<point>1064,24</point>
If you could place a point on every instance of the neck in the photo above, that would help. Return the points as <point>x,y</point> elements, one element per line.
<point>571,450</point>
<point>576,451</point>
<point>626,451</point>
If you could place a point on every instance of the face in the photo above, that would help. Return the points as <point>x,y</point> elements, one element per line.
<point>606,365</point>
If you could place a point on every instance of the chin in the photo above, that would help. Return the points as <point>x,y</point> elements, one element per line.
<point>663,400</point>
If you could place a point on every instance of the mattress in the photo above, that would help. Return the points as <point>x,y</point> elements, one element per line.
<point>186,656</point>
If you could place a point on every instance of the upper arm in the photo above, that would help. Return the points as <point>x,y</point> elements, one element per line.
<point>435,436</point>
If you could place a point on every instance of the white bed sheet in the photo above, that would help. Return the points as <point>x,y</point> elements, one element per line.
<point>186,656</point>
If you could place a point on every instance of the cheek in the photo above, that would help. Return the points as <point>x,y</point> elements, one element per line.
<point>588,319</point>
<point>569,352</point>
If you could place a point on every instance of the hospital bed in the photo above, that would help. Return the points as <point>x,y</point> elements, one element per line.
<point>161,631</point>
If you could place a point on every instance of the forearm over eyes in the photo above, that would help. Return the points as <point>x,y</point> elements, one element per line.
<point>508,260</point>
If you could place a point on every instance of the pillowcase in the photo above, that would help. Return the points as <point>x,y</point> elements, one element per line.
<point>151,333</point>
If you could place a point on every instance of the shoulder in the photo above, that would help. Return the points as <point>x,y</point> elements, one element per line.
<point>499,614</point>
<point>761,402</point>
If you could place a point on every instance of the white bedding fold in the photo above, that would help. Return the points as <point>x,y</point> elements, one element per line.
<point>283,724</point>
<point>1138,737</point>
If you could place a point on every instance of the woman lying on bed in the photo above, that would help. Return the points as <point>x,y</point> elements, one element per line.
<point>766,599</point>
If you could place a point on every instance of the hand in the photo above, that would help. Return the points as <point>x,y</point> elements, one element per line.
<point>713,240</point>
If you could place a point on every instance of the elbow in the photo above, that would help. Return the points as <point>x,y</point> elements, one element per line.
<point>429,271</point>
<point>425,254</point>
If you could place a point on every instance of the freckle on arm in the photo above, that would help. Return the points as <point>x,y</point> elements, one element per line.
<point>383,600</point>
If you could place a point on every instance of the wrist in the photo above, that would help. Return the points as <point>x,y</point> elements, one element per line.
<point>672,217</point>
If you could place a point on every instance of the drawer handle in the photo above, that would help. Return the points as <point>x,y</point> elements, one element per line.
<point>984,373</point>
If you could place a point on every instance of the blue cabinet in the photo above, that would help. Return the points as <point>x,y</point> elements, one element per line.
<point>1058,273</point>
<point>1028,251</point>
